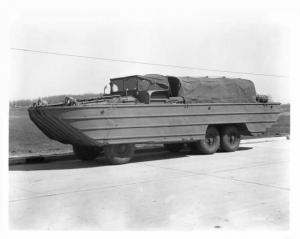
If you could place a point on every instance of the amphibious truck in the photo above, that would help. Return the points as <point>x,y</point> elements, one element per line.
<point>207,114</point>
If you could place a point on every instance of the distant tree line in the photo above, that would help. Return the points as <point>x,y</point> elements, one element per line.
<point>50,99</point>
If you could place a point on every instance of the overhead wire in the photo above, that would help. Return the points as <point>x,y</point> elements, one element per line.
<point>145,63</point>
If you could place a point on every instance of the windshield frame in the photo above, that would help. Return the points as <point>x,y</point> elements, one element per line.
<point>122,86</point>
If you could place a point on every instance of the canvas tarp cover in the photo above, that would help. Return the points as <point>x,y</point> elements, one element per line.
<point>200,89</point>
<point>217,90</point>
<point>153,82</point>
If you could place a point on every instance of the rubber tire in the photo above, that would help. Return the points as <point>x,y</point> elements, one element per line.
<point>226,141</point>
<point>119,153</point>
<point>86,153</point>
<point>203,146</point>
<point>174,148</point>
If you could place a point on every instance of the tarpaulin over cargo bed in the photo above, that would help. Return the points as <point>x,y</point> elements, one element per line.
<point>153,82</point>
<point>214,90</point>
<point>193,89</point>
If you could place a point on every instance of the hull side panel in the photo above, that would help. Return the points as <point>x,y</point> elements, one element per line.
<point>121,123</point>
<point>111,124</point>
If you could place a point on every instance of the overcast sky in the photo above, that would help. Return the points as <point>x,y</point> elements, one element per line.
<point>240,38</point>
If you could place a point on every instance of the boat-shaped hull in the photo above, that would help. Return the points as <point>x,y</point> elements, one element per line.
<point>102,124</point>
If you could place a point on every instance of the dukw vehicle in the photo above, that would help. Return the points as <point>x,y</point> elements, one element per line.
<point>207,114</point>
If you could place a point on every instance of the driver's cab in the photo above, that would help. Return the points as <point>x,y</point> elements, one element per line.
<point>145,89</point>
<point>127,86</point>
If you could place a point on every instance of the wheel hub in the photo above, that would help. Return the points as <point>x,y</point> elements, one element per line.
<point>232,139</point>
<point>121,150</point>
<point>210,139</point>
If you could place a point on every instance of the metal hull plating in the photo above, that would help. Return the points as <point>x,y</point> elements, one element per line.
<point>103,124</point>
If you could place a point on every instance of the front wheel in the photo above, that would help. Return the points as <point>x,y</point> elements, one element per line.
<point>86,153</point>
<point>230,138</point>
<point>210,144</point>
<point>119,153</point>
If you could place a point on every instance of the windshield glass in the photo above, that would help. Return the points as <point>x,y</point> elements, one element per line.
<point>130,84</point>
<point>117,85</point>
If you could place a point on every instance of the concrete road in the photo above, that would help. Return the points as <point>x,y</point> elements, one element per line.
<point>247,189</point>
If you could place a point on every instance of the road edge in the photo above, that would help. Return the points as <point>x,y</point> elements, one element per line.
<point>39,158</point>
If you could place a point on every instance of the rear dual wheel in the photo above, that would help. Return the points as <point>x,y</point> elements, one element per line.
<point>230,138</point>
<point>210,144</point>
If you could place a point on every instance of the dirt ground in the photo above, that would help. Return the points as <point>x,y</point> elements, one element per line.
<point>26,138</point>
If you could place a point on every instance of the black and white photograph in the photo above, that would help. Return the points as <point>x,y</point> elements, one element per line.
<point>150,116</point>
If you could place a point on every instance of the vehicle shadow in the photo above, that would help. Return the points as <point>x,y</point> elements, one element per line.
<point>239,149</point>
<point>244,148</point>
<point>61,163</point>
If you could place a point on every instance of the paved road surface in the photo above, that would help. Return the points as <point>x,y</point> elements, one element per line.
<point>247,189</point>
